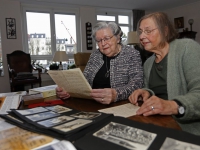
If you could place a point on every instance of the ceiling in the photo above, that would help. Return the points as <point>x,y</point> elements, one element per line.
<point>148,5</point>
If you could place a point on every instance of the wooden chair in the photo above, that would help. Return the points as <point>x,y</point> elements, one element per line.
<point>81,60</point>
<point>20,71</point>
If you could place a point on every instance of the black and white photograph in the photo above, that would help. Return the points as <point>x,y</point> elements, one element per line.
<point>32,111</point>
<point>126,136</point>
<point>59,109</point>
<point>11,28</point>
<point>173,144</point>
<point>42,116</point>
<point>86,115</point>
<point>55,121</point>
<point>72,125</point>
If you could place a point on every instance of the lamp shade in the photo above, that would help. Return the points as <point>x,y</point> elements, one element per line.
<point>60,56</point>
<point>132,38</point>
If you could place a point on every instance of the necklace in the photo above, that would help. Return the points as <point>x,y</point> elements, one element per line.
<point>108,71</point>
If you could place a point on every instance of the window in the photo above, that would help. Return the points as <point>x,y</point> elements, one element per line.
<point>47,31</point>
<point>1,60</point>
<point>122,19</point>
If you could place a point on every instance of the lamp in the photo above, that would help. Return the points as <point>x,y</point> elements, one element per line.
<point>132,38</point>
<point>60,56</point>
<point>190,21</point>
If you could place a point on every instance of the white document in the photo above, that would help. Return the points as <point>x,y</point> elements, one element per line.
<point>58,145</point>
<point>125,110</point>
<point>13,93</point>
<point>10,102</point>
<point>72,81</point>
<point>5,126</point>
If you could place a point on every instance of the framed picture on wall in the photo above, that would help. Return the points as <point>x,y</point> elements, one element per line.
<point>11,28</point>
<point>179,22</point>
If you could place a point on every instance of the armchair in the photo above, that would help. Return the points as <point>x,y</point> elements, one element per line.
<point>81,60</point>
<point>20,71</point>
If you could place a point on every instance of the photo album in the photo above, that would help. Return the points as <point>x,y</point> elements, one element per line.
<point>99,128</point>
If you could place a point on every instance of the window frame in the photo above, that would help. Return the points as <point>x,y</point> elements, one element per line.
<point>52,10</point>
<point>116,13</point>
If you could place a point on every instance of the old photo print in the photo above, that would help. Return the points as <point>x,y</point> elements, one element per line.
<point>55,121</point>
<point>32,111</point>
<point>126,136</point>
<point>86,115</point>
<point>59,109</point>
<point>42,116</point>
<point>72,125</point>
<point>172,144</point>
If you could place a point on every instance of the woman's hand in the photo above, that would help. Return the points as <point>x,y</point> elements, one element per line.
<point>155,105</point>
<point>138,96</point>
<point>104,96</point>
<point>61,93</point>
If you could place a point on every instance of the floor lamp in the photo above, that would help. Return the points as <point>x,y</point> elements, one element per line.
<point>60,56</point>
<point>132,38</point>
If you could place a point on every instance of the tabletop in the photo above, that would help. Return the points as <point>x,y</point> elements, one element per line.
<point>93,106</point>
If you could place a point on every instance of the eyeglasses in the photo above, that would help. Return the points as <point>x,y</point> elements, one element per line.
<point>147,32</point>
<point>106,39</point>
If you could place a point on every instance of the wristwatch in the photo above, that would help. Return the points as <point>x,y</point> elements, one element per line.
<point>181,109</point>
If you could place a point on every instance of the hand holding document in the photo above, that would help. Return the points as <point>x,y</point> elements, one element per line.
<point>72,81</point>
<point>125,110</point>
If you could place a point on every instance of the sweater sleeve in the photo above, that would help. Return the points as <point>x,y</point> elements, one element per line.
<point>187,80</point>
<point>135,76</point>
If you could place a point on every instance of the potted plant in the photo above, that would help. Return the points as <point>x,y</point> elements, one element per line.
<point>54,66</point>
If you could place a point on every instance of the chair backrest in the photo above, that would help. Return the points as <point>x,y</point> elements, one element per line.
<point>81,60</point>
<point>19,61</point>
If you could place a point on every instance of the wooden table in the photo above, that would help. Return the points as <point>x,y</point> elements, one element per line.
<point>93,106</point>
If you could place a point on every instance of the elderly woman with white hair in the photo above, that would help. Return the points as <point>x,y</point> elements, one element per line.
<point>114,70</point>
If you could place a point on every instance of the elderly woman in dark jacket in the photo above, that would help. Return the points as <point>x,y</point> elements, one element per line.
<point>114,70</point>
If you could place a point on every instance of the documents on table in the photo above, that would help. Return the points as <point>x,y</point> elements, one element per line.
<point>47,91</point>
<point>125,110</point>
<point>72,81</point>
<point>10,101</point>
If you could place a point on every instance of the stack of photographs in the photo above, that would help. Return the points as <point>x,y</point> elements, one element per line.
<point>57,121</point>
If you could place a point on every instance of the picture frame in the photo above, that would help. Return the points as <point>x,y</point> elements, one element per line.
<point>11,28</point>
<point>179,22</point>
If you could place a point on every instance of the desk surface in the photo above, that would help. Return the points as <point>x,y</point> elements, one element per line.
<point>93,106</point>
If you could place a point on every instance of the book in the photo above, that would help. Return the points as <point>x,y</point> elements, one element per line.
<point>57,121</point>
<point>47,103</point>
<point>13,137</point>
<point>47,91</point>
<point>91,130</point>
<point>32,98</point>
<point>73,81</point>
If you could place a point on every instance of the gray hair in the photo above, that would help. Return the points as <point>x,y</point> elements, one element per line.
<point>116,30</point>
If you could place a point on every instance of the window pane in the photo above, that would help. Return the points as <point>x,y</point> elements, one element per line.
<point>125,31</point>
<point>123,19</point>
<point>105,18</point>
<point>39,34</point>
<point>45,64</point>
<point>65,33</point>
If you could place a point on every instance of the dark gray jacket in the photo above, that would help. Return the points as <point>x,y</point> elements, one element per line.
<point>126,72</point>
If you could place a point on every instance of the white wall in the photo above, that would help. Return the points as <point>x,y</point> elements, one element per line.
<point>9,9</point>
<point>87,14</point>
<point>191,11</point>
